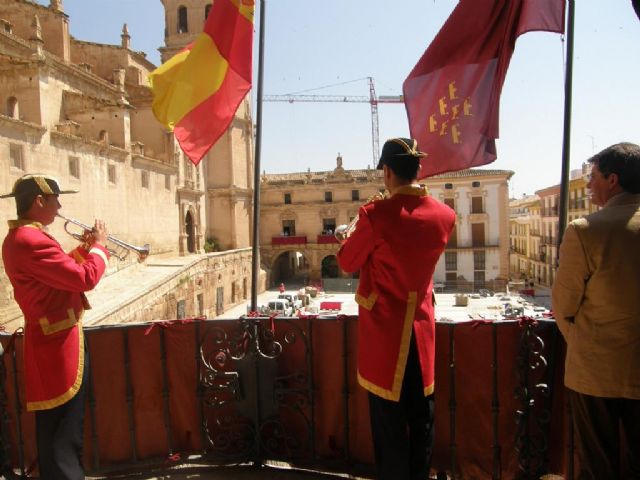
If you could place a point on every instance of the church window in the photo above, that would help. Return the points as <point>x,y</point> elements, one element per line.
<point>74,167</point>
<point>328,197</point>
<point>183,25</point>
<point>287,198</point>
<point>448,186</point>
<point>144,179</point>
<point>111,173</point>
<point>15,154</point>
<point>12,107</point>
<point>355,195</point>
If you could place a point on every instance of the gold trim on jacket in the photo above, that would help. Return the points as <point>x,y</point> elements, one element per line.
<point>405,343</point>
<point>50,328</point>
<point>69,394</point>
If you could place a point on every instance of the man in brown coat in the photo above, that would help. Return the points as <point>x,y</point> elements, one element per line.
<point>596,302</point>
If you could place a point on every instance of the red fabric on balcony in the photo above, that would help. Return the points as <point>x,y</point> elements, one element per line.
<point>290,240</point>
<point>328,305</point>
<point>327,239</point>
<point>127,363</point>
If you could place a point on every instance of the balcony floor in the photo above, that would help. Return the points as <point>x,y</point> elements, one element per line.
<point>238,472</point>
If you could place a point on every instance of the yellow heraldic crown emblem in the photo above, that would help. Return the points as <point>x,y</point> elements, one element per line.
<point>451,111</point>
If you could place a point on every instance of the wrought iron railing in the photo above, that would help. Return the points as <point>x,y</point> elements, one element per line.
<point>285,389</point>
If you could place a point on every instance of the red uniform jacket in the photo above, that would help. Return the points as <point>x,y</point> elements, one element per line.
<point>396,245</point>
<point>48,285</point>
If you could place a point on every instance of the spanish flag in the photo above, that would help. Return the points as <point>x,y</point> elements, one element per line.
<point>197,92</point>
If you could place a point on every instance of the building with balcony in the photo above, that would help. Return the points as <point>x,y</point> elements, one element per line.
<point>533,228</point>
<point>300,211</point>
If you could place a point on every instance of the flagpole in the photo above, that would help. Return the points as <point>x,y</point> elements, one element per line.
<point>255,254</point>
<point>566,140</point>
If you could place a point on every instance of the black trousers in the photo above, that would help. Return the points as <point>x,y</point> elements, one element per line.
<point>598,423</point>
<point>403,431</point>
<point>59,436</point>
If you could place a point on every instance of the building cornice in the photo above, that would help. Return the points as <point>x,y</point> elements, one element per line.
<point>28,128</point>
<point>151,163</point>
<point>233,191</point>
<point>92,146</point>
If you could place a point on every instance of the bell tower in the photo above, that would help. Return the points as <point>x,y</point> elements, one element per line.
<point>183,21</point>
<point>227,170</point>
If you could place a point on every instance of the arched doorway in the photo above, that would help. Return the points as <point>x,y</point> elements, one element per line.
<point>190,231</point>
<point>329,268</point>
<point>290,268</point>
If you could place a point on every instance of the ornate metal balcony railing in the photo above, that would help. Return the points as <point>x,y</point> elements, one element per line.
<point>285,389</point>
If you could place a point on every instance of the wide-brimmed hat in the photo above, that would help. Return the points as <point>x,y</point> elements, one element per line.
<point>34,185</point>
<point>398,149</point>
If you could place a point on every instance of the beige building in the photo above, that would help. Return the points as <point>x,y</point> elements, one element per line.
<point>300,211</point>
<point>81,111</point>
<point>534,224</point>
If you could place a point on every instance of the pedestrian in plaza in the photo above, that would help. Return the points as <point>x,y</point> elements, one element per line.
<point>396,244</point>
<point>596,303</point>
<point>48,285</point>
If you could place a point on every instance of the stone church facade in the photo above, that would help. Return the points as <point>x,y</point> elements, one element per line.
<point>81,111</point>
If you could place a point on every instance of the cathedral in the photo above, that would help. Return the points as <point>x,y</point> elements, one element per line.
<point>81,111</point>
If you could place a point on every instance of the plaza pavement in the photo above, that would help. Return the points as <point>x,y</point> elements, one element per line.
<point>124,287</point>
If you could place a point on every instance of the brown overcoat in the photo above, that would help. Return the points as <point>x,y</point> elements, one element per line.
<point>596,300</point>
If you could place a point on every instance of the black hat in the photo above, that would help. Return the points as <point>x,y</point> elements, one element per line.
<point>34,185</point>
<point>397,149</point>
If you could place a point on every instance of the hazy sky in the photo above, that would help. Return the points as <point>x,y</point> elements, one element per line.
<point>313,44</point>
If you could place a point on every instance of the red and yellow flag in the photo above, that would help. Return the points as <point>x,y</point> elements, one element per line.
<point>452,95</point>
<point>197,92</point>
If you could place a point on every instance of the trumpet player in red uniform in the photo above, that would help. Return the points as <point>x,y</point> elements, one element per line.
<point>396,244</point>
<point>48,285</point>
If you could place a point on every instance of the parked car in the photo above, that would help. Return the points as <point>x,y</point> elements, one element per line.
<point>281,306</point>
<point>295,303</point>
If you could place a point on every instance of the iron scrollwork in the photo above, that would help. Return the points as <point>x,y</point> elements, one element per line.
<point>256,400</point>
<point>534,415</point>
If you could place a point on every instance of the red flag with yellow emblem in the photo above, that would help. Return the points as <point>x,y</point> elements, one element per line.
<point>452,94</point>
<point>196,93</point>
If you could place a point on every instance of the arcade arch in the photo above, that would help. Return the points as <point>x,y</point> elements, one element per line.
<point>329,267</point>
<point>291,268</point>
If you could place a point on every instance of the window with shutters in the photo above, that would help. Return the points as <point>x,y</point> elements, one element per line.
<point>477,234</point>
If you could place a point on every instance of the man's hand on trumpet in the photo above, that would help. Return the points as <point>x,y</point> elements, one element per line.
<point>98,234</point>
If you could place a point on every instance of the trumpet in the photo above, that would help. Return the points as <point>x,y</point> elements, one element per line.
<point>343,232</point>
<point>115,246</point>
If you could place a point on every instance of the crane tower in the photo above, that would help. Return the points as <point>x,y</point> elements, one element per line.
<point>372,99</point>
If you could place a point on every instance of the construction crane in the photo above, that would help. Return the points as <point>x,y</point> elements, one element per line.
<point>372,99</point>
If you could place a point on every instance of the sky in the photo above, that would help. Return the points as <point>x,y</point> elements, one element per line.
<point>331,47</point>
